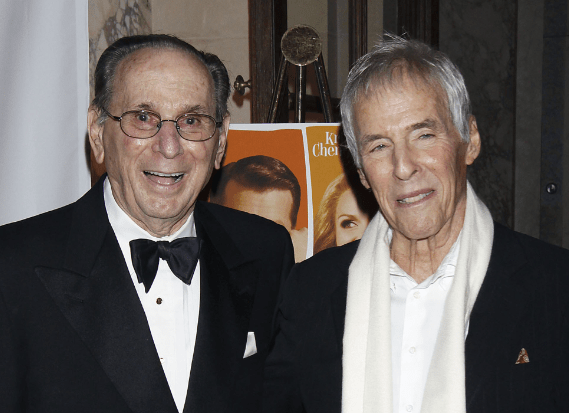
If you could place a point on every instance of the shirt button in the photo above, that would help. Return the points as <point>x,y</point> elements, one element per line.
<point>417,294</point>
<point>158,301</point>
<point>409,408</point>
<point>412,350</point>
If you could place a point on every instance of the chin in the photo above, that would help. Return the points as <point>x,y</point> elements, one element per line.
<point>419,231</point>
<point>165,211</point>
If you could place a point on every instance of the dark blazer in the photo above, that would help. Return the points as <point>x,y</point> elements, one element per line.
<point>522,303</point>
<point>73,333</point>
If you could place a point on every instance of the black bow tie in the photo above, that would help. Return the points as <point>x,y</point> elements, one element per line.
<point>181,255</point>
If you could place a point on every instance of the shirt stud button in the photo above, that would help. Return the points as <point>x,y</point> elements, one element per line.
<point>158,301</point>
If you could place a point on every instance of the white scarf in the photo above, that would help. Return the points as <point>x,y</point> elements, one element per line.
<point>366,360</point>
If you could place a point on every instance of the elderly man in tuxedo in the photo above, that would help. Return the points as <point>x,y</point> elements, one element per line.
<point>438,308</point>
<point>138,298</point>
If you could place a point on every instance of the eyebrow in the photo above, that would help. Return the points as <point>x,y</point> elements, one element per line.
<point>195,109</point>
<point>187,109</point>
<point>145,106</point>
<point>367,139</point>
<point>427,123</point>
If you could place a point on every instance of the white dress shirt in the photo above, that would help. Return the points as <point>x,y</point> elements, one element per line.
<point>416,313</point>
<point>171,306</point>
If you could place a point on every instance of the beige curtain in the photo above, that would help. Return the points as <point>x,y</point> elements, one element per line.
<point>43,105</point>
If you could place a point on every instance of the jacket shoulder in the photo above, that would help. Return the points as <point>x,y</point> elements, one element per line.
<point>324,272</point>
<point>45,238</point>
<point>27,231</point>
<point>336,257</point>
<point>242,225</point>
<point>56,223</point>
<point>532,250</point>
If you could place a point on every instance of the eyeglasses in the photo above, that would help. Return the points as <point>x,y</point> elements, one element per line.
<point>144,124</point>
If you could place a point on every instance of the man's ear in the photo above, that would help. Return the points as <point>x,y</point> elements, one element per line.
<point>222,141</point>
<point>473,149</point>
<point>96,135</point>
<point>363,178</point>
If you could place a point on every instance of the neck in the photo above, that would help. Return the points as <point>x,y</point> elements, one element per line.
<point>420,258</point>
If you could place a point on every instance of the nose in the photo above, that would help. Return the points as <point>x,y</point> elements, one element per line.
<point>169,141</point>
<point>404,163</point>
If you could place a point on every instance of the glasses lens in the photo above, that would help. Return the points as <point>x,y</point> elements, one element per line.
<point>193,126</point>
<point>140,124</point>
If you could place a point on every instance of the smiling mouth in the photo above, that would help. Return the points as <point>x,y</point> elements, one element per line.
<point>414,199</point>
<point>176,177</point>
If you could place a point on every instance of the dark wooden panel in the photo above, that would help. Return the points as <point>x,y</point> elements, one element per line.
<point>553,120</point>
<point>358,29</point>
<point>419,19</point>
<point>267,24</point>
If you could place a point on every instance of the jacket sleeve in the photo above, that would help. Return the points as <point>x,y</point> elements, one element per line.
<point>281,388</point>
<point>11,370</point>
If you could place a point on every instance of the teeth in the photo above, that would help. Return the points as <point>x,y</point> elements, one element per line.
<point>176,176</point>
<point>414,199</point>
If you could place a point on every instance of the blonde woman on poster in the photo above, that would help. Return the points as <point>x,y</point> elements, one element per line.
<point>340,219</point>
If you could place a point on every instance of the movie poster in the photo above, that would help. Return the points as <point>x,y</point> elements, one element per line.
<point>292,174</point>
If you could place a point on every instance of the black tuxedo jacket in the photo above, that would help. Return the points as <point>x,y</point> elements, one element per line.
<point>73,333</point>
<point>522,303</point>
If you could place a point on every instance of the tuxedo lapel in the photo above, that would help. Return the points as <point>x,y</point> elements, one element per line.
<point>497,310</point>
<point>94,291</point>
<point>228,283</point>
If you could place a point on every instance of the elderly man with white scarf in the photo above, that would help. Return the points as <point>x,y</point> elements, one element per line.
<point>437,309</point>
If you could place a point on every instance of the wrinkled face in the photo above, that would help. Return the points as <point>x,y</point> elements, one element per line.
<point>413,158</point>
<point>156,181</point>
<point>350,221</point>
<point>275,205</point>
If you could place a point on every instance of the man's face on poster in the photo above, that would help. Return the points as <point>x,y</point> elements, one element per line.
<point>273,204</point>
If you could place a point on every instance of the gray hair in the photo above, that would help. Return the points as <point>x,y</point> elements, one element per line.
<point>109,61</point>
<point>385,65</point>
